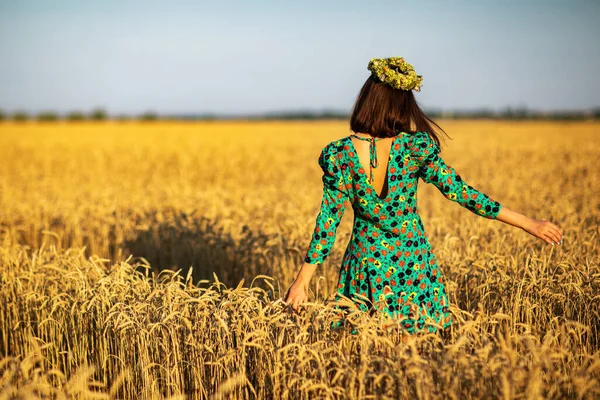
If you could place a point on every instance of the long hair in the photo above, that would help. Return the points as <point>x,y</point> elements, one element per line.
<point>383,111</point>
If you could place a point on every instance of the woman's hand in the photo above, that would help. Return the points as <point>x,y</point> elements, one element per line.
<point>297,293</point>
<point>544,230</point>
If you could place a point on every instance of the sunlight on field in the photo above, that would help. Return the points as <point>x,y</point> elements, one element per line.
<point>87,211</point>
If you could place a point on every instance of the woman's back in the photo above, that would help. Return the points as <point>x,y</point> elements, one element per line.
<point>383,147</point>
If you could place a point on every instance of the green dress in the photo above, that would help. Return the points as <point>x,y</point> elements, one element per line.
<point>388,265</point>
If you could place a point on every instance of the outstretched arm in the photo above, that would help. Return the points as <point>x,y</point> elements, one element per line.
<point>545,230</point>
<point>434,170</point>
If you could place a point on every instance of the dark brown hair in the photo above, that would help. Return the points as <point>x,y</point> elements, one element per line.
<point>383,111</point>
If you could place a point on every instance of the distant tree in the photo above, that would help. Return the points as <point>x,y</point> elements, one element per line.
<point>20,116</point>
<point>205,117</point>
<point>122,117</point>
<point>47,116</point>
<point>148,116</point>
<point>75,116</point>
<point>519,112</point>
<point>434,113</point>
<point>567,116</point>
<point>481,113</point>
<point>2,116</point>
<point>448,114</point>
<point>333,114</point>
<point>98,114</point>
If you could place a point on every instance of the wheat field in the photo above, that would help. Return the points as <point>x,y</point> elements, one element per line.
<point>149,261</point>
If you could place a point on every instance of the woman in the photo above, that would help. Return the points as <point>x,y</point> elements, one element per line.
<point>388,265</point>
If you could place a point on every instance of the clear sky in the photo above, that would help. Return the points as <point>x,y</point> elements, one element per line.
<point>260,56</point>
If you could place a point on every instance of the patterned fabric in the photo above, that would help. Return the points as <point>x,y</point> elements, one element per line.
<point>388,265</point>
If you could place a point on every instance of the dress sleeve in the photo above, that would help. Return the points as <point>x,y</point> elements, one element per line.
<point>332,208</point>
<point>433,169</point>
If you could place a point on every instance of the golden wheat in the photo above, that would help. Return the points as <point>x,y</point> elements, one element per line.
<point>149,261</point>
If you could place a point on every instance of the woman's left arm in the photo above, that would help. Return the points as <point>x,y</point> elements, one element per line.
<point>433,169</point>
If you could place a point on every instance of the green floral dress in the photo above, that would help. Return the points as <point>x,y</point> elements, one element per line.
<point>388,265</point>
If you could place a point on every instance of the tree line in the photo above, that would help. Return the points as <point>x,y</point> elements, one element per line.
<point>97,114</point>
<point>100,114</point>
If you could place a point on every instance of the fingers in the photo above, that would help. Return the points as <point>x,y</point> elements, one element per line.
<point>550,233</point>
<point>545,238</point>
<point>549,237</point>
<point>554,236</point>
<point>552,239</point>
<point>294,298</point>
<point>559,230</point>
<point>293,302</point>
<point>558,235</point>
<point>296,303</point>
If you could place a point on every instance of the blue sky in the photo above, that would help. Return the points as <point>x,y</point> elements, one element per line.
<point>260,56</point>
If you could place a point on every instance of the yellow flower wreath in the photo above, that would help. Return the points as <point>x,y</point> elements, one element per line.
<point>395,72</point>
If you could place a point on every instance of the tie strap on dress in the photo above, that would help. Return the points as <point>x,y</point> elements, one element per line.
<point>373,162</point>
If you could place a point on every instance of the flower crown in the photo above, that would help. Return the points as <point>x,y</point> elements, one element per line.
<point>395,72</point>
